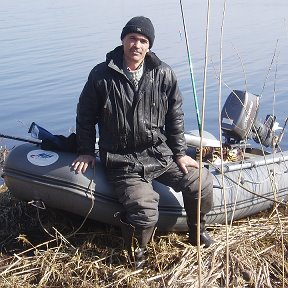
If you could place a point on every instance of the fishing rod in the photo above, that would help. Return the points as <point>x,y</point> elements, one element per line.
<point>21,139</point>
<point>191,70</point>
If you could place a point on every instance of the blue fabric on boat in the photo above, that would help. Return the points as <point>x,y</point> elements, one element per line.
<point>53,142</point>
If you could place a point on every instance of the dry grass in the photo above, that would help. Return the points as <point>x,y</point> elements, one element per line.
<point>30,257</point>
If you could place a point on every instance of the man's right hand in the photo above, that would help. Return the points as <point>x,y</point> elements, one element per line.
<point>81,163</point>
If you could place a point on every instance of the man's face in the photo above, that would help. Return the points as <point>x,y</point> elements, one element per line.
<point>135,47</point>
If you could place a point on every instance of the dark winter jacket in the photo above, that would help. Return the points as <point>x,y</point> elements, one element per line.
<point>129,119</point>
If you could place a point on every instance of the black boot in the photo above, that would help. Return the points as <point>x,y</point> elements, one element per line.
<point>205,238</point>
<point>135,242</point>
<point>190,198</point>
<point>142,237</point>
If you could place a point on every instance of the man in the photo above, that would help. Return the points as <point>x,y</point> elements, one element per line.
<point>134,98</point>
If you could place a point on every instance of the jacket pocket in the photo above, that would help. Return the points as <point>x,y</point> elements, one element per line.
<point>163,154</point>
<point>118,161</point>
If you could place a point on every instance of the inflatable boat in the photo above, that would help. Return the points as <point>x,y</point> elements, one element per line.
<point>242,187</point>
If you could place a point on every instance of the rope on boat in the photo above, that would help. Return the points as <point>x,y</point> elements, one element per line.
<point>243,180</point>
<point>89,188</point>
<point>246,189</point>
<point>41,205</point>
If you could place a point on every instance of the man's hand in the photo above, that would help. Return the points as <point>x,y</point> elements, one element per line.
<point>186,161</point>
<point>81,163</point>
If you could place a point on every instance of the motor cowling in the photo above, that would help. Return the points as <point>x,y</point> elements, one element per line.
<point>239,119</point>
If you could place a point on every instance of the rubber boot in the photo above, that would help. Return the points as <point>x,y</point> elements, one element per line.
<point>135,242</point>
<point>189,186</point>
<point>142,237</point>
<point>205,238</point>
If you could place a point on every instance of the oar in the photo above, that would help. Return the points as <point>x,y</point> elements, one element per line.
<point>191,70</point>
<point>36,141</point>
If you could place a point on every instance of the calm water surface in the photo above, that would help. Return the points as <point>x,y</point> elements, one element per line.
<point>48,48</point>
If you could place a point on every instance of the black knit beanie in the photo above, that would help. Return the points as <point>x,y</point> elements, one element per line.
<point>141,25</point>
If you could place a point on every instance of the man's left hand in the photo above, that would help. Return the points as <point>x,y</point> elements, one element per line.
<point>186,161</point>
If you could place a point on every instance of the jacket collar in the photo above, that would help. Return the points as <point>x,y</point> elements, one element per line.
<point>114,59</point>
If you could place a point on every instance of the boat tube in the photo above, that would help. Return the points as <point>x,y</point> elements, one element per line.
<point>33,174</point>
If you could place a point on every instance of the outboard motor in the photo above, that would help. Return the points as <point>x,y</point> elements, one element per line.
<point>239,120</point>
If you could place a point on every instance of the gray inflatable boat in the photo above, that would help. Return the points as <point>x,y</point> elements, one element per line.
<point>32,174</point>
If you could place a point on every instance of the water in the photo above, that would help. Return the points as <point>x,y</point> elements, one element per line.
<point>48,48</point>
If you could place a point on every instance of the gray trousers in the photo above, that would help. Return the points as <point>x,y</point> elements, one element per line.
<point>140,201</point>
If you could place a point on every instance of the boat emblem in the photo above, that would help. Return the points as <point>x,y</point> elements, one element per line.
<point>42,158</point>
